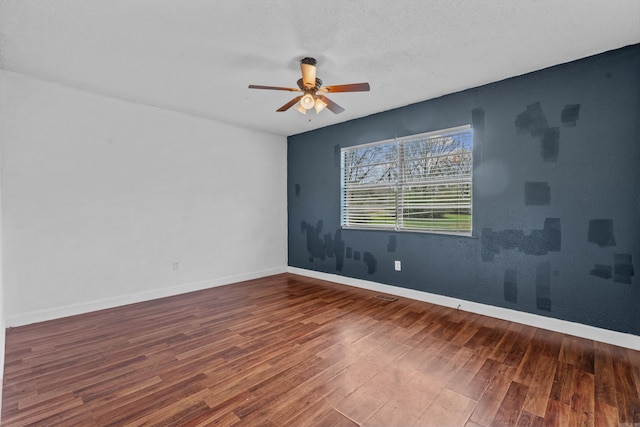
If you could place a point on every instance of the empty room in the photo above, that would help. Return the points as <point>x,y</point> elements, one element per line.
<point>332,213</point>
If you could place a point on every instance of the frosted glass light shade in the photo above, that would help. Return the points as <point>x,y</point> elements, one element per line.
<point>307,101</point>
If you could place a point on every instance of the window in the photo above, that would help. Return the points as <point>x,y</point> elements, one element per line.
<point>418,183</point>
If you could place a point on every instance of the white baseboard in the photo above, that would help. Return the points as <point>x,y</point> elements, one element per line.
<point>89,306</point>
<point>548,323</point>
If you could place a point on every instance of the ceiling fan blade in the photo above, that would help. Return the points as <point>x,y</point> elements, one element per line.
<point>289,104</point>
<point>353,87</point>
<point>290,89</point>
<point>332,106</point>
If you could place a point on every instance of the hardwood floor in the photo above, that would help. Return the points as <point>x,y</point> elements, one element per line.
<point>292,351</point>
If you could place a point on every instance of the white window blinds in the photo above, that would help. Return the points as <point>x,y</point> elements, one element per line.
<point>420,182</point>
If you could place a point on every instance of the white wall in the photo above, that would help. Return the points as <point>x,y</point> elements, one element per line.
<point>101,197</point>
<point>2,322</point>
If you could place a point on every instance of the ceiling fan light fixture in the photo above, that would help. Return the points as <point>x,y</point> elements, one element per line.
<point>307,101</point>
<point>309,85</point>
<point>319,105</point>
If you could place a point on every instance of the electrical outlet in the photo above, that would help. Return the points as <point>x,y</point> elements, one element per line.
<point>398,265</point>
<point>176,266</point>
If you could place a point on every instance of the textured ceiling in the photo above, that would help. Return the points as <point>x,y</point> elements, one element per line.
<point>198,56</point>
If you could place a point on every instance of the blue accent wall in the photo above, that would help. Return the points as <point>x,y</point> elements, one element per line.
<point>556,205</point>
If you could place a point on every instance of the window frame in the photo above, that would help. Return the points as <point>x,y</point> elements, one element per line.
<point>400,185</point>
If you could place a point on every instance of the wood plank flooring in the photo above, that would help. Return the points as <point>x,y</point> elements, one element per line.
<point>293,351</point>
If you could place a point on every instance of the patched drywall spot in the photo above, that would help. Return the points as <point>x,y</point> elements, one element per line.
<point>370,261</point>
<point>601,271</point>
<point>323,246</point>
<point>537,242</point>
<point>622,268</point>
<point>570,114</point>
<point>537,193</point>
<point>328,245</point>
<point>297,189</point>
<point>477,119</point>
<point>532,121</point>
<point>511,285</point>
<point>550,145</point>
<point>552,234</point>
<point>315,245</point>
<point>601,232</point>
<point>338,249</point>
<point>543,286</point>
<point>392,243</point>
<point>522,123</point>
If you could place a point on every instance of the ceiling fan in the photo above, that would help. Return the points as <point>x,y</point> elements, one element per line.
<point>310,85</point>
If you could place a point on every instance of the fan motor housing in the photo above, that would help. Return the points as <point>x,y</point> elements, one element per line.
<point>304,88</point>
